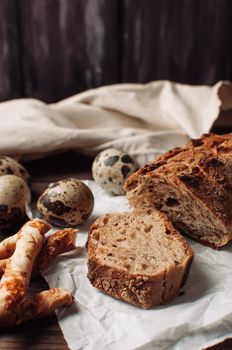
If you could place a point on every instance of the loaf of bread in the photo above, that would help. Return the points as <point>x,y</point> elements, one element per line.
<point>192,186</point>
<point>138,257</point>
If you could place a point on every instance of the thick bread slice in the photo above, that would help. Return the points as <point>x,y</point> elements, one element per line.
<point>138,257</point>
<point>192,186</point>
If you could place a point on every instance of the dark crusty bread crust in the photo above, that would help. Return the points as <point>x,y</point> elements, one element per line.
<point>199,172</point>
<point>161,283</point>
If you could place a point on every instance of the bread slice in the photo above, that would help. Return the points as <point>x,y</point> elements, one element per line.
<point>138,257</point>
<point>193,186</point>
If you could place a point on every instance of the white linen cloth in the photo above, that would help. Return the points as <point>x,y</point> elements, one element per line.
<point>144,120</point>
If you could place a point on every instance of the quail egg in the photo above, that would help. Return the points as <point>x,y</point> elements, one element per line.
<point>111,168</point>
<point>14,196</point>
<point>67,202</point>
<point>10,166</point>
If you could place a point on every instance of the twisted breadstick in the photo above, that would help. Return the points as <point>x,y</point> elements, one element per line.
<point>26,248</point>
<point>60,242</point>
<point>39,305</point>
<point>7,246</point>
<point>15,279</point>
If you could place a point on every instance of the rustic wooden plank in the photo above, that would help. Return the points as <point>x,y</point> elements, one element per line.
<point>10,85</point>
<point>68,46</point>
<point>187,40</point>
<point>37,335</point>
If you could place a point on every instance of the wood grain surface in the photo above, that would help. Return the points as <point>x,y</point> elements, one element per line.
<point>10,69</point>
<point>68,46</point>
<point>51,49</point>
<point>188,41</point>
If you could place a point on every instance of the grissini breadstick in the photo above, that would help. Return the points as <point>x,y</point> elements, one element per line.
<point>39,305</point>
<point>60,242</point>
<point>46,302</point>
<point>7,246</point>
<point>26,247</point>
<point>15,279</point>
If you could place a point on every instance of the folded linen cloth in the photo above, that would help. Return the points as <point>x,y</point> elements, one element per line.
<point>142,119</point>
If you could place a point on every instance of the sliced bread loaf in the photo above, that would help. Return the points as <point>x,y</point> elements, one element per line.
<point>193,186</point>
<point>138,257</point>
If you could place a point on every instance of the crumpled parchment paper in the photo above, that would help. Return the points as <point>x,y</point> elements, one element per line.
<point>200,316</point>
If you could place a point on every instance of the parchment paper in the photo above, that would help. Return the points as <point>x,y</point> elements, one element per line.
<point>200,316</point>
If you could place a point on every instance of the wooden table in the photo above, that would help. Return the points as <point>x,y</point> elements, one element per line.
<point>46,334</point>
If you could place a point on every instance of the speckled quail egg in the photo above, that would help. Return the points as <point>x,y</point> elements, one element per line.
<point>10,166</point>
<point>67,202</point>
<point>14,196</point>
<point>111,168</point>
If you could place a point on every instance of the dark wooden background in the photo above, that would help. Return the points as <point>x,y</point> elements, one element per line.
<point>50,49</point>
